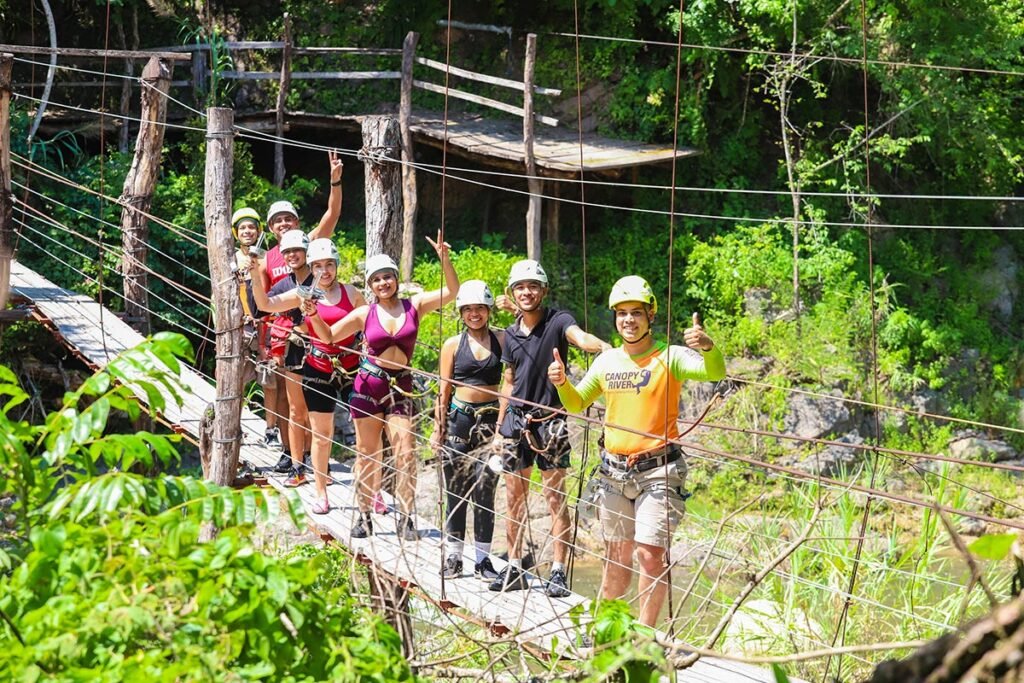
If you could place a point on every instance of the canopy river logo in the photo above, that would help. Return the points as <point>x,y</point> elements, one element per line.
<point>627,379</point>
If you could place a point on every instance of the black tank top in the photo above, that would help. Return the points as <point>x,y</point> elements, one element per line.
<point>478,373</point>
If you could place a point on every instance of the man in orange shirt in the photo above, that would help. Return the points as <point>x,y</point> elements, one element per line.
<point>642,476</point>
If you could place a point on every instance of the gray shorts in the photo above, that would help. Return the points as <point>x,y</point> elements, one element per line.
<point>645,507</point>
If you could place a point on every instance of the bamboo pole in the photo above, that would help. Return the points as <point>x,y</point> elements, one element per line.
<point>533,212</point>
<point>282,98</point>
<point>137,195</point>
<point>409,199</point>
<point>227,430</point>
<point>6,199</point>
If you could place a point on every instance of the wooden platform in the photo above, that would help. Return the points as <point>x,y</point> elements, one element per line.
<point>536,621</point>
<point>499,142</point>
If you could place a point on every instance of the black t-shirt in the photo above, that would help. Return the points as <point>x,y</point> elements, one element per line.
<point>287,284</point>
<point>530,355</point>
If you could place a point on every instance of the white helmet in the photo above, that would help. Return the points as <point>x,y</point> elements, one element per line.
<point>474,292</point>
<point>282,206</point>
<point>379,262</point>
<point>320,249</point>
<point>525,270</point>
<point>294,239</point>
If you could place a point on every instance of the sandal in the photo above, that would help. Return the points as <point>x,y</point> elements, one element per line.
<point>321,507</point>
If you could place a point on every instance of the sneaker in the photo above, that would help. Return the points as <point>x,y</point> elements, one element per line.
<point>452,568</point>
<point>298,478</point>
<point>484,570</point>
<point>407,529</point>
<point>272,439</point>
<point>557,585</point>
<point>363,527</point>
<point>510,579</point>
<point>284,463</point>
<point>379,506</point>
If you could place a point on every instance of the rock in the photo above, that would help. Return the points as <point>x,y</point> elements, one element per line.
<point>981,449</point>
<point>757,303</point>
<point>811,417</point>
<point>1001,281</point>
<point>832,460</point>
<point>968,526</point>
<point>1015,463</point>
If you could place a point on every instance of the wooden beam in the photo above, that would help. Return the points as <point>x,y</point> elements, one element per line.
<point>137,195</point>
<point>409,198</point>
<point>227,306</point>
<point>484,78</point>
<point>282,98</point>
<point>312,75</point>
<point>6,198</point>
<point>535,208</point>
<point>97,54</point>
<point>486,101</point>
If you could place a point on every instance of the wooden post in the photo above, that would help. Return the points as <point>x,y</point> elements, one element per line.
<point>408,171</point>
<point>554,211</point>
<point>198,74</point>
<point>383,184</point>
<point>6,198</point>
<point>533,213</point>
<point>227,427</point>
<point>282,95</point>
<point>137,195</point>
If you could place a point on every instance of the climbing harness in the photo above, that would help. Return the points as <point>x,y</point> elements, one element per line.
<point>371,368</point>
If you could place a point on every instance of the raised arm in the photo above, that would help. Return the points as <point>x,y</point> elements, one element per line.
<point>428,302</point>
<point>585,341</point>
<point>272,304</point>
<point>343,329</point>
<point>330,218</point>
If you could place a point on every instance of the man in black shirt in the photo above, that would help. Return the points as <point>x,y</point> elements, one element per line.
<point>530,433</point>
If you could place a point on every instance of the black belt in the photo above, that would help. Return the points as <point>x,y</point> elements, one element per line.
<point>664,456</point>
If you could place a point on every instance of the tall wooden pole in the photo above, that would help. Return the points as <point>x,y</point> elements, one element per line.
<point>383,184</point>
<point>408,171</point>
<point>282,99</point>
<point>6,199</point>
<point>227,429</point>
<point>533,213</point>
<point>137,195</point>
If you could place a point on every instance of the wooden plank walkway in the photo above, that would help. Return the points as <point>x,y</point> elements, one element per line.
<point>532,618</point>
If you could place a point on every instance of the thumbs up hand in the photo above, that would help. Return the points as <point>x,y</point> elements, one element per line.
<point>556,371</point>
<point>696,338</point>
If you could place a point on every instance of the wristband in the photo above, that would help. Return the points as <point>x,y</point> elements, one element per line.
<point>335,184</point>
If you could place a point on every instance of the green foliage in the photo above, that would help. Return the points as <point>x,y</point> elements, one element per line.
<point>624,649</point>
<point>992,546</point>
<point>108,580</point>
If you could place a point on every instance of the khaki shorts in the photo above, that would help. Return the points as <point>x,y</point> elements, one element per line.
<point>645,507</point>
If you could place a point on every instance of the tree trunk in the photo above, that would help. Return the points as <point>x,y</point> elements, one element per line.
<point>533,213</point>
<point>408,171</point>
<point>6,199</point>
<point>227,427</point>
<point>282,96</point>
<point>380,154</point>
<point>137,195</point>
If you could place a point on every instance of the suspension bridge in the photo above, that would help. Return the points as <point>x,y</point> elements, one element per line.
<point>538,623</point>
<point>534,621</point>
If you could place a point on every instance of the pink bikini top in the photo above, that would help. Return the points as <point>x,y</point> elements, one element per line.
<point>378,340</point>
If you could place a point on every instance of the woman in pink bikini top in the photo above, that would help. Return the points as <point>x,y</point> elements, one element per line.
<point>383,384</point>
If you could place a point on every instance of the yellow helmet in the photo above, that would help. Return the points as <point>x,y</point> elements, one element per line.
<point>632,288</point>
<point>244,214</point>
